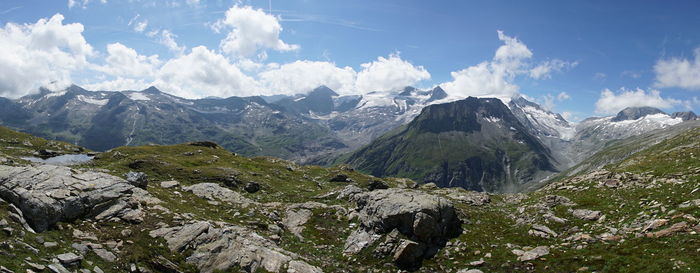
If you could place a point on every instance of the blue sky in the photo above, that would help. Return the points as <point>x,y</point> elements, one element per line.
<point>594,57</point>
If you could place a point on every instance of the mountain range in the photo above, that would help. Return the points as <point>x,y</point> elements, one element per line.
<point>481,144</point>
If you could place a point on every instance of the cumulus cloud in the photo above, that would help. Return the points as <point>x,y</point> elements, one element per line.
<point>250,30</point>
<point>125,61</point>
<point>302,76</point>
<point>545,69</point>
<point>492,78</point>
<point>495,78</point>
<point>39,54</point>
<point>386,74</point>
<point>118,84</point>
<point>677,72</point>
<point>203,73</point>
<point>549,101</point>
<point>167,39</point>
<point>383,74</point>
<point>611,102</point>
<point>83,3</point>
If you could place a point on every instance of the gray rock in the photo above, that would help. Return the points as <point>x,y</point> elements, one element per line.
<point>408,254</point>
<point>105,254</point>
<point>211,191</point>
<point>226,246</point>
<point>47,194</point>
<point>349,192</point>
<point>58,268</point>
<point>169,184</point>
<point>295,219</point>
<point>426,219</point>
<point>50,244</point>
<point>534,253</point>
<point>470,271</point>
<point>542,231</point>
<point>585,214</point>
<point>555,200</point>
<point>302,267</point>
<point>137,179</point>
<point>69,258</point>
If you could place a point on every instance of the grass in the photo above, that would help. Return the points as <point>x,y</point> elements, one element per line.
<point>490,228</point>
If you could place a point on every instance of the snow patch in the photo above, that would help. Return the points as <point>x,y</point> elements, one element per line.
<point>92,100</point>
<point>138,96</point>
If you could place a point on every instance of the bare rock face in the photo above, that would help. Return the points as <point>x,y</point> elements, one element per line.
<point>48,194</point>
<point>222,247</point>
<point>427,220</point>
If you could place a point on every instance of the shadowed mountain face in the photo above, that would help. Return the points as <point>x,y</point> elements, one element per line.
<point>633,113</point>
<point>476,144</point>
<point>104,120</point>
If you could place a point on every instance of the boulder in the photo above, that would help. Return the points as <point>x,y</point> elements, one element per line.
<point>252,187</point>
<point>212,191</point>
<point>340,178</point>
<point>377,185</point>
<point>137,179</point>
<point>69,258</point>
<point>585,214</point>
<point>224,247</point>
<point>532,254</point>
<point>426,220</point>
<point>408,254</point>
<point>425,217</point>
<point>48,194</point>
<point>169,184</point>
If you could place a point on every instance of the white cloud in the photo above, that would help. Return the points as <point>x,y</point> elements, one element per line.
<point>141,26</point>
<point>73,3</point>
<point>251,30</point>
<point>193,3</point>
<point>125,61</point>
<point>42,53</point>
<point>383,74</point>
<point>167,39</point>
<point>611,103</point>
<point>545,69</point>
<point>302,76</point>
<point>203,73</point>
<point>681,73</point>
<point>391,73</point>
<point>563,96</point>
<point>118,84</point>
<point>492,78</point>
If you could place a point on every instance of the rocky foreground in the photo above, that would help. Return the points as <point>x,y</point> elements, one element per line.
<point>198,208</point>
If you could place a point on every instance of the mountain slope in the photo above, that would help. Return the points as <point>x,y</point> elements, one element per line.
<point>476,144</point>
<point>205,209</point>
<point>104,120</point>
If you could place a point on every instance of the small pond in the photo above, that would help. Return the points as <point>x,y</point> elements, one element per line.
<point>62,160</point>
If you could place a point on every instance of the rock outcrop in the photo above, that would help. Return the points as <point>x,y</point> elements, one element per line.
<point>428,221</point>
<point>48,194</point>
<point>223,247</point>
<point>213,192</point>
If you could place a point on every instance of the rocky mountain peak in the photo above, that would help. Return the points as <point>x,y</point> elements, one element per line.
<point>322,91</point>
<point>685,116</point>
<point>634,113</point>
<point>437,94</point>
<point>151,90</point>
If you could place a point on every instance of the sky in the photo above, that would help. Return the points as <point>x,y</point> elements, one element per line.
<point>578,58</point>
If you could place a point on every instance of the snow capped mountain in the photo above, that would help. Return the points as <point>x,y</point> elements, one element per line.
<point>543,122</point>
